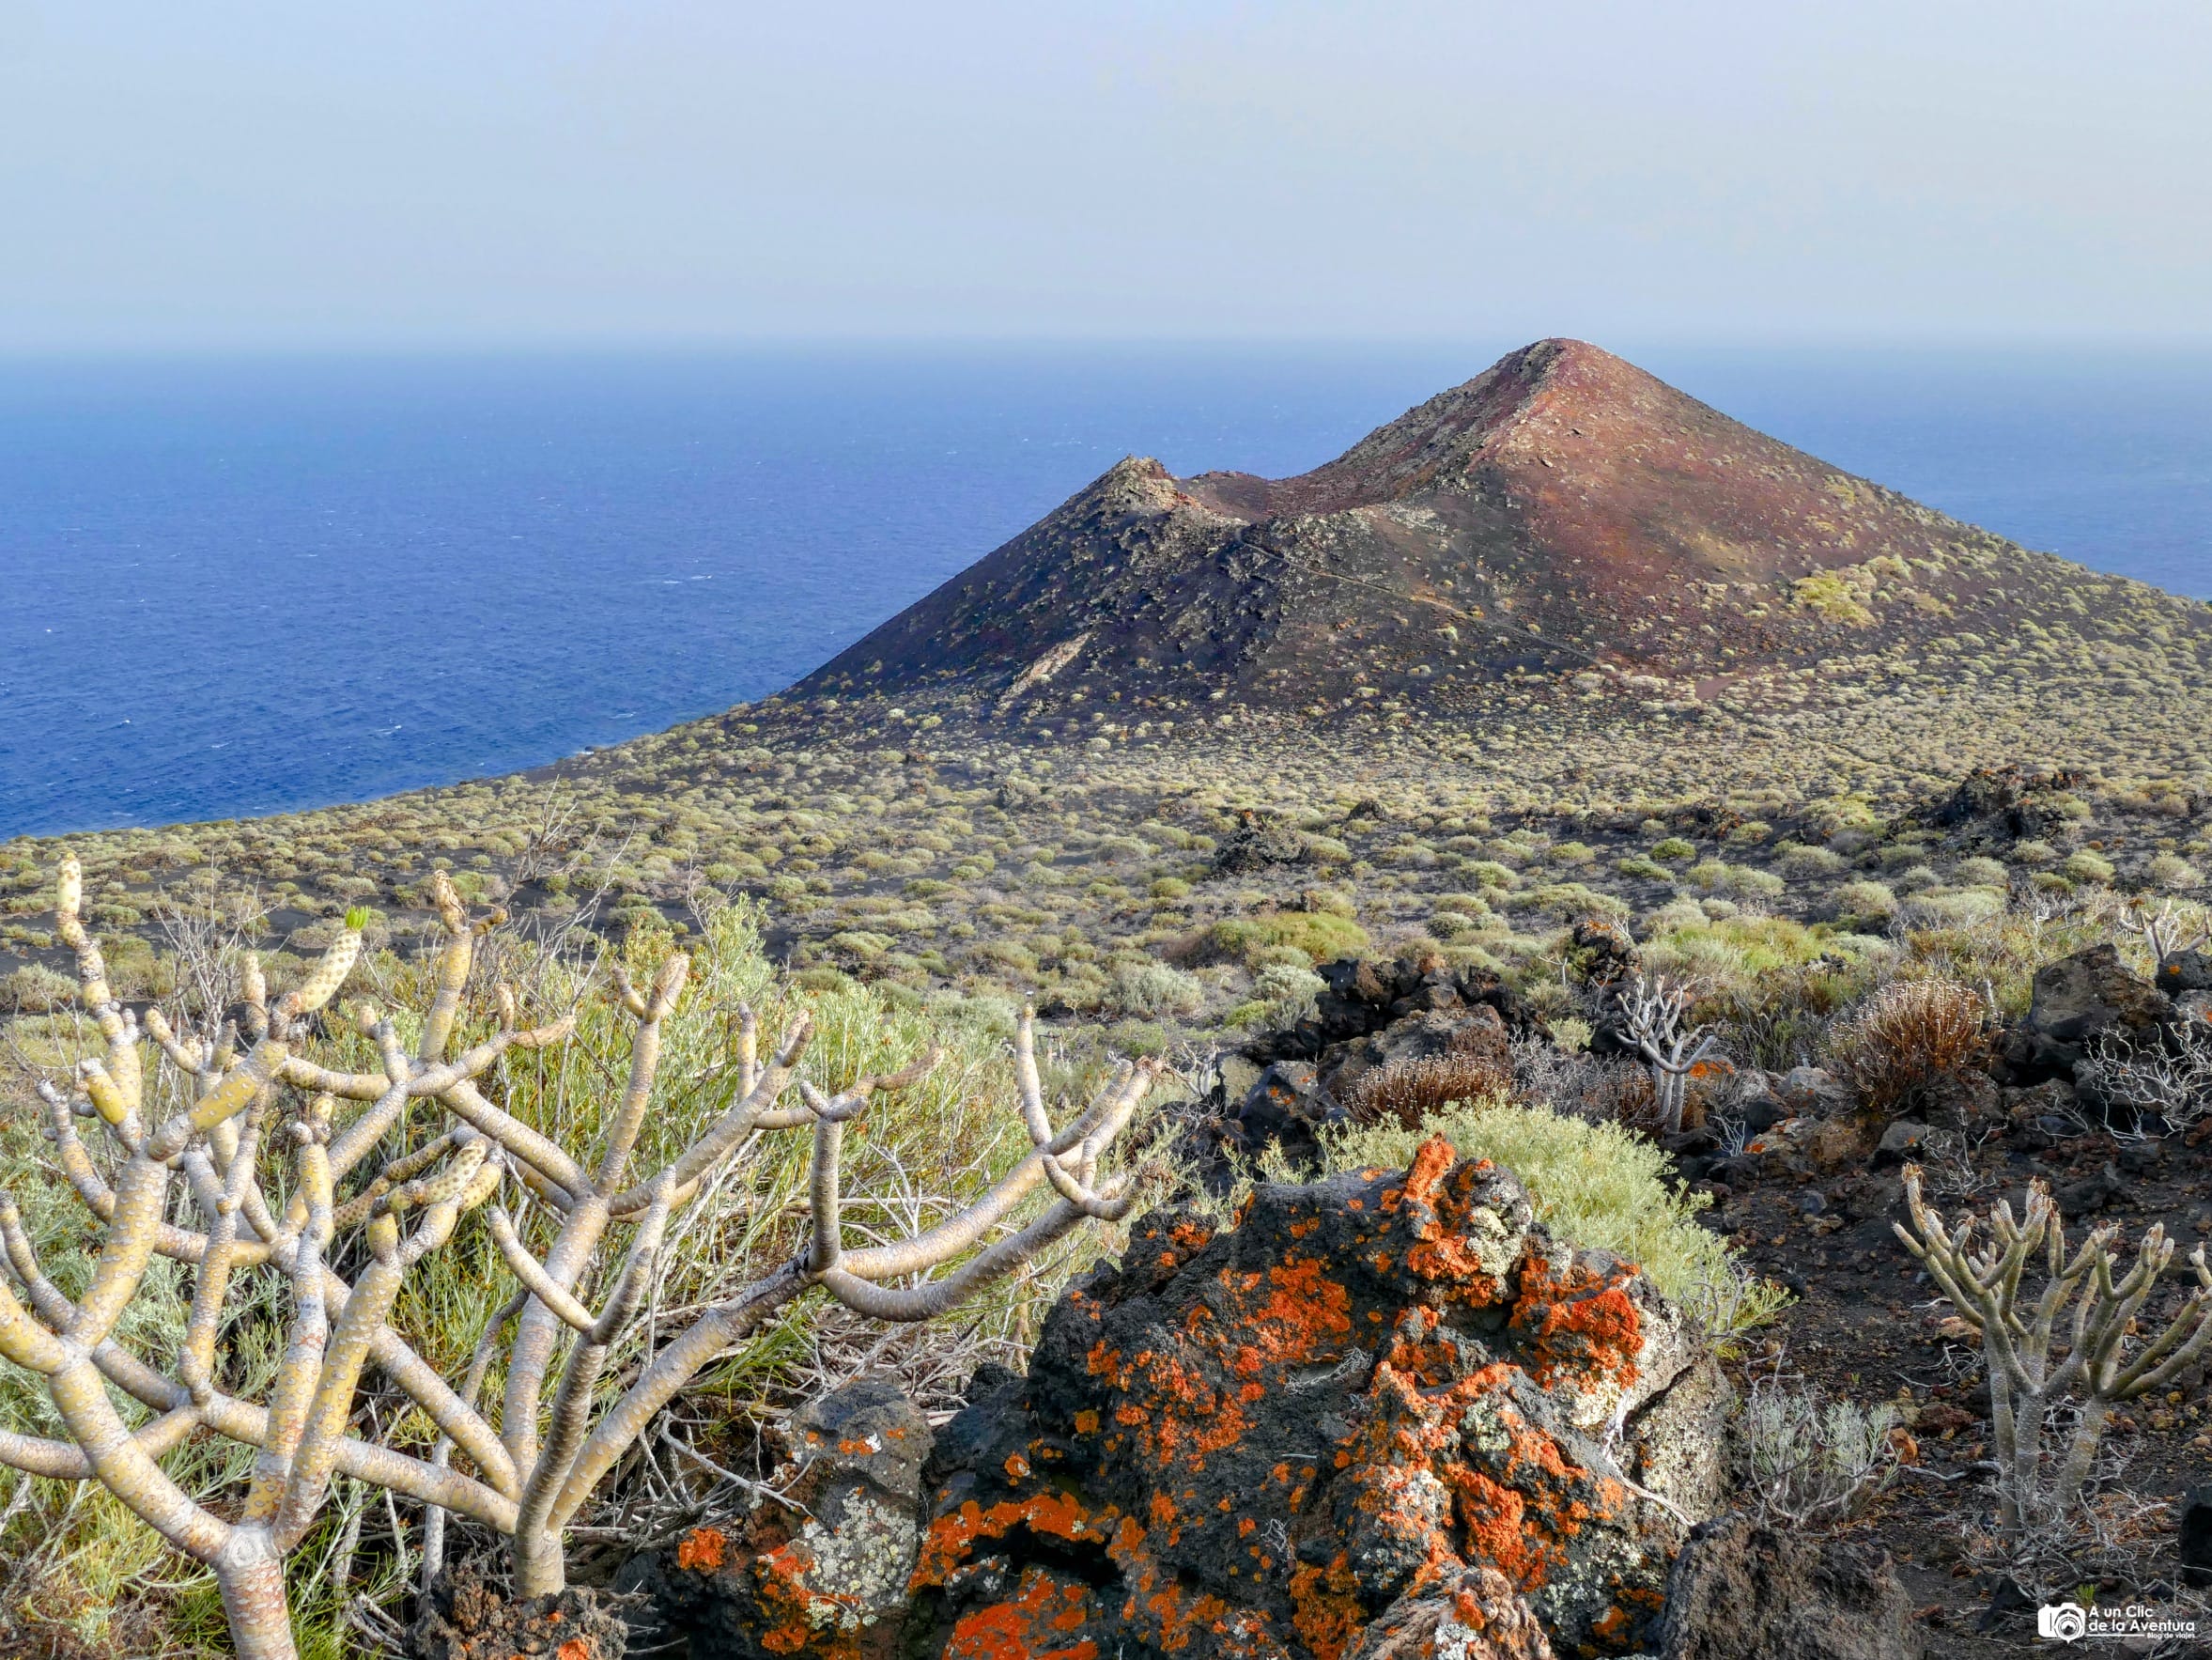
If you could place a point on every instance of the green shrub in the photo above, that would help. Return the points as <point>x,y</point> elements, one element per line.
<point>36,990</point>
<point>1286,993</point>
<point>1472,904</point>
<point>2175,874</point>
<point>1150,990</point>
<point>1729,948</point>
<point>1566,901</point>
<point>2086,866</point>
<point>1748,883</point>
<point>1674,850</point>
<point>1320,936</point>
<point>1336,903</point>
<point>1802,863</point>
<point>861,944</point>
<point>1980,872</point>
<point>1596,1185</point>
<point>1953,907</point>
<point>1865,902</point>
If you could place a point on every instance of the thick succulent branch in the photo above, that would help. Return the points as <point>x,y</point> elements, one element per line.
<point>2028,1377</point>
<point>545,1457</point>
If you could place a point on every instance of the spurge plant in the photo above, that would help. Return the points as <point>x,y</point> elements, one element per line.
<point>370,1190</point>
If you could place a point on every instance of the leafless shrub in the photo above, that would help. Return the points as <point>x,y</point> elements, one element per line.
<point>2161,1090</point>
<point>1601,1089</point>
<point>1909,1043</point>
<point>1807,1460</point>
<point>209,933</point>
<point>1947,1163</point>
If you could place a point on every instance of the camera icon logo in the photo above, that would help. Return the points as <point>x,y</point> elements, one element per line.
<point>2064,1622</point>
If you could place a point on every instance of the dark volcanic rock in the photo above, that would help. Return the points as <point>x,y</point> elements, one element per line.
<point>1284,1109</point>
<point>2077,1002</point>
<point>2196,1535</point>
<point>1365,997</point>
<point>1739,1591</point>
<point>2004,803</point>
<point>1255,844</point>
<point>2185,971</point>
<point>1259,1441</point>
<point>1373,1016</point>
<point>1476,1035</point>
<point>824,1571</point>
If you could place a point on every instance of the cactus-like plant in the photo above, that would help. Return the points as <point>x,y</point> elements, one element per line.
<point>2032,1364</point>
<point>553,1438</point>
<point>1651,1015</point>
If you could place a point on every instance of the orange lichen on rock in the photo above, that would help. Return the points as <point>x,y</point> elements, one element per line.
<point>1304,1315</point>
<point>1035,1624</point>
<point>947,1541</point>
<point>798,1618</point>
<point>1447,1251</point>
<point>1579,1320</point>
<point>1367,1391</point>
<point>704,1548</point>
<point>1327,1610</point>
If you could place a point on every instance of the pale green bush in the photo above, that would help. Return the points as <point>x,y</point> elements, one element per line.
<point>1287,993</point>
<point>1802,863</point>
<point>1952,907</point>
<point>2175,874</point>
<point>1596,1185</point>
<point>1318,936</point>
<point>2086,866</point>
<point>1152,991</point>
<point>1806,1459</point>
<point>36,990</point>
<point>1866,900</point>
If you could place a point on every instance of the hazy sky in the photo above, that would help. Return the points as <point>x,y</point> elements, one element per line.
<point>293,172</point>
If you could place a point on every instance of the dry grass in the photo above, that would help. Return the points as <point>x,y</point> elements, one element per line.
<point>1409,1092</point>
<point>1909,1043</point>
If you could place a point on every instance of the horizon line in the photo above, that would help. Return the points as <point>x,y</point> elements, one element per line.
<point>1623,343</point>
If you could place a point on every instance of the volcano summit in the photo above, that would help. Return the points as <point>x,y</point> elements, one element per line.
<point>1562,513</point>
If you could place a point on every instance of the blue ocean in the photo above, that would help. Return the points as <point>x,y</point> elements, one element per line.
<point>240,587</point>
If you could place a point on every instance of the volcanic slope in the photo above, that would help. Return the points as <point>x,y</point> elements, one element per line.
<point>1563,512</point>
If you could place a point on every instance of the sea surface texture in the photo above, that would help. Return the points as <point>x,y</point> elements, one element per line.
<point>231,588</point>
